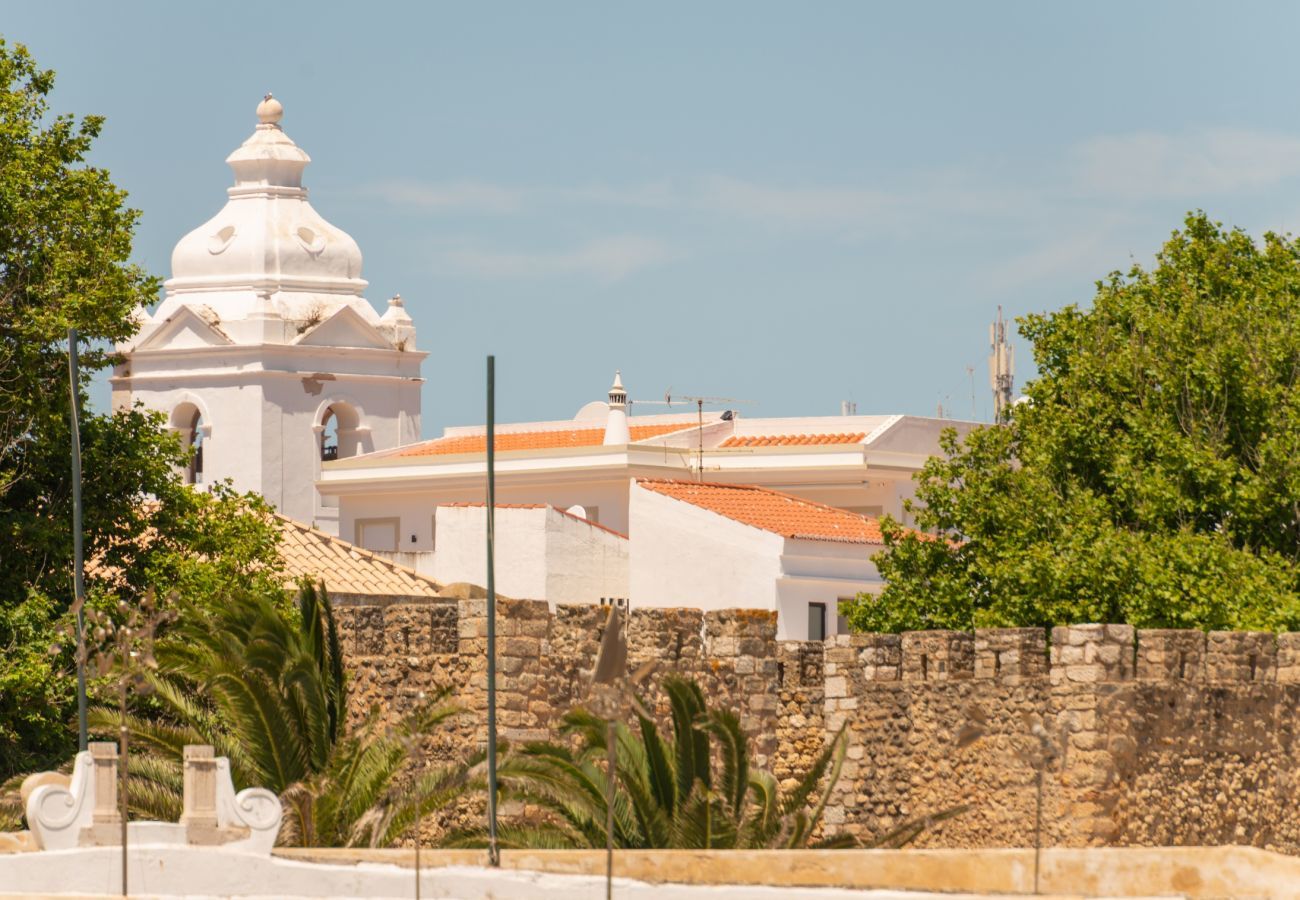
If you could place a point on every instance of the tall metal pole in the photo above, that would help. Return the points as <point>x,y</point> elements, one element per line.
<point>494,853</point>
<point>78,551</point>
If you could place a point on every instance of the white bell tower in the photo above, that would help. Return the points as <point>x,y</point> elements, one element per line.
<point>264,350</point>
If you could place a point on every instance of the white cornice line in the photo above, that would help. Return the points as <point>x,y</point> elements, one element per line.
<point>880,429</point>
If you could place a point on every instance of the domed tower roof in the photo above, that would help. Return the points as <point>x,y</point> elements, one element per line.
<point>267,240</point>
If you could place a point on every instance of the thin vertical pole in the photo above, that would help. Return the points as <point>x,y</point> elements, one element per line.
<point>78,551</point>
<point>494,853</point>
<point>611,750</point>
<point>122,755</point>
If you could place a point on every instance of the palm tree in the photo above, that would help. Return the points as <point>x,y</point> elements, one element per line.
<point>695,791</point>
<point>268,691</point>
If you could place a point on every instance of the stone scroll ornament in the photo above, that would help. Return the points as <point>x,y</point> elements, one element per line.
<point>57,815</point>
<point>84,813</point>
<point>256,809</point>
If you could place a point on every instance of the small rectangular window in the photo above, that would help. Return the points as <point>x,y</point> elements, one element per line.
<point>816,621</point>
<point>377,534</point>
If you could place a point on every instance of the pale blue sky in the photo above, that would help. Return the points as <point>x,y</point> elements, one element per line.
<point>791,203</point>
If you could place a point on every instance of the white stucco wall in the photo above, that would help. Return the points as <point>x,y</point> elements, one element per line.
<point>682,555</point>
<point>821,572</point>
<point>541,554</point>
<point>414,505</point>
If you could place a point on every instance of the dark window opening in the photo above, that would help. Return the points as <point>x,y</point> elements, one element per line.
<point>816,621</point>
<point>329,437</point>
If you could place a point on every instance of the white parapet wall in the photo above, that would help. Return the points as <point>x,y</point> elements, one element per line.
<point>542,553</point>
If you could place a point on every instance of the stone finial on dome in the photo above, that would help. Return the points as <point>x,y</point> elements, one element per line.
<point>270,111</point>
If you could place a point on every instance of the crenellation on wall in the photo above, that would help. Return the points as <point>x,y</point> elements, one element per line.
<point>879,657</point>
<point>1237,656</point>
<point>420,628</point>
<point>938,655</point>
<point>1166,654</point>
<point>1092,653</point>
<point>1288,658</point>
<point>361,629</point>
<point>1010,655</point>
<point>1151,736</point>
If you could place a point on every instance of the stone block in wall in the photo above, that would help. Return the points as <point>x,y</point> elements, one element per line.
<point>1010,655</point>
<point>1241,656</point>
<point>1288,657</point>
<point>801,664</point>
<point>1092,653</point>
<point>938,655</point>
<point>872,657</point>
<point>740,632</point>
<point>1165,654</point>
<point>673,635</point>
<point>420,628</point>
<point>361,629</point>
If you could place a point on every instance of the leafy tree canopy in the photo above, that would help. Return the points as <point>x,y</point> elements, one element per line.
<point>65,244</point>
<point>1153,475</point>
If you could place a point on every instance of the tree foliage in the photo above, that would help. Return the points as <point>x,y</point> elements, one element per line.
<point>1153,475</point>
<point>267,689</point>
<point>65,244</point>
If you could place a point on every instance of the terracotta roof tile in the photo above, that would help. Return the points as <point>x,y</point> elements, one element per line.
<point>344,567</point>
<point>773,511</point>
<point>791,440</point>
<point>532,440</point>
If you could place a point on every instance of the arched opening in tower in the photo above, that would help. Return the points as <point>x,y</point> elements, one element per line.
<point>338,435</point>
<point>187,419</point>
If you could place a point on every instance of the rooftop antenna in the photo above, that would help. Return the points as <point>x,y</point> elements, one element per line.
<point>970,373</point>
<point>699,402</point>
<point>1001,368</point>
<point>699,406</point>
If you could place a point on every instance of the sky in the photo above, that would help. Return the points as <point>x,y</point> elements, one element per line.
<point>791,204</point>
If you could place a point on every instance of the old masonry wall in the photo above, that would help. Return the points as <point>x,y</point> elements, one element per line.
<point>1150,737</point>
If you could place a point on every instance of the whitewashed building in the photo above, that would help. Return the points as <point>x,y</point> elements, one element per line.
<point>863,464</point>
<point>264,352</point>
<point>719,546</point>
<point>543,553</point>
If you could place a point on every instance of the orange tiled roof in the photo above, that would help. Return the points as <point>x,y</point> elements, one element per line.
<point>773,511</point>
<point>310,553</point>
<point>344,567</point>
<point>791,440</point>
<point>532,440</point>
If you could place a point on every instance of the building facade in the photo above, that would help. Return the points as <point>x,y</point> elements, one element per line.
<point>265,355</point>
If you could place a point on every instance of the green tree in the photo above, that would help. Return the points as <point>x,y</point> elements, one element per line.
<point>65,245</point>
<point>267,689</point>
<point>1151,477</point>
<point>698,790</point>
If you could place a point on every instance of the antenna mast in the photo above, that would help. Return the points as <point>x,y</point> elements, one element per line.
<point>1001,368</point>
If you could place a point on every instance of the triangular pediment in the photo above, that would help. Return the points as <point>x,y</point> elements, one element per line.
<point>345,328</point>
<point>186,329</point>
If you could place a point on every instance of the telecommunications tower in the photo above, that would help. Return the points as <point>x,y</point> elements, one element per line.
<point>1001,368</point>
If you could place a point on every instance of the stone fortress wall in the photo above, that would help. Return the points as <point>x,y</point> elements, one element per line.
<point>1154,737</point>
